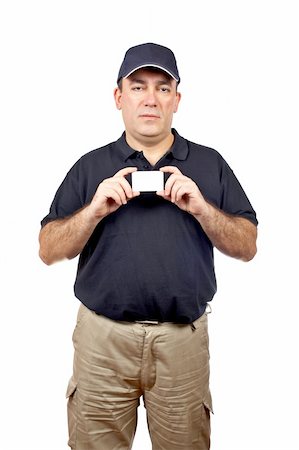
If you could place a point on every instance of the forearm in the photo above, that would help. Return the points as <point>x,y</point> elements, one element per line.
<point>233,236</point>
<point>65,238</point>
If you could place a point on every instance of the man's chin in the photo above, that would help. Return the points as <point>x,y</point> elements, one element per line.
<point>149,131</point>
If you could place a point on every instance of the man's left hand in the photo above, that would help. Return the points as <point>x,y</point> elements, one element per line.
<point>183,192</point>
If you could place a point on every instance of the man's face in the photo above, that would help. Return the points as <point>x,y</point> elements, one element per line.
<point>148,100</point>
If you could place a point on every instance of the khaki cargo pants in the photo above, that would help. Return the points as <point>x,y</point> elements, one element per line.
<point>115,363</point>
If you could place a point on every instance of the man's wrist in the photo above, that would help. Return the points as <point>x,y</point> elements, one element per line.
<point>206,213</point>
<point>89,217</point>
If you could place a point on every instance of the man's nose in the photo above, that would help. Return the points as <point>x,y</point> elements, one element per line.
<point>150,98</point>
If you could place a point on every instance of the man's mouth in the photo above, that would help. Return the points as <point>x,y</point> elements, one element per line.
<point>149,116</point>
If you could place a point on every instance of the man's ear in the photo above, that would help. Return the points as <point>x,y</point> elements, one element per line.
<point>117,97</point>
<point>177,101</point>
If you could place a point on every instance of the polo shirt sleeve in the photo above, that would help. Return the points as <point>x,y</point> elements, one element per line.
<point>68,198</point>
<point>234,201</point>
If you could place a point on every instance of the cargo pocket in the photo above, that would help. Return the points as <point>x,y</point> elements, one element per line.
<point>72,412</point>
<point>205,425</point>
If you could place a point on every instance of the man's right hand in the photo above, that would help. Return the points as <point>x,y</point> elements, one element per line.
<point>111,194</point>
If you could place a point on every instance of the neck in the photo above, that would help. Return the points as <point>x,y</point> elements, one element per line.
<point>153,149</point>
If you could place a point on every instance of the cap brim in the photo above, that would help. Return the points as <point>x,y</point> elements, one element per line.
<point>152,65</point>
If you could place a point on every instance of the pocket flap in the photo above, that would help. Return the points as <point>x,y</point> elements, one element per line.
<point>208,403</point>
<point>208,406</point>
<point>72,386</point>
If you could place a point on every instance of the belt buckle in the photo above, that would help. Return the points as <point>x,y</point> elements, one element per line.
<point>148,322</point>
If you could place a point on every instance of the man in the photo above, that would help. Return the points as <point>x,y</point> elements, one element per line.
<point>146,272</point>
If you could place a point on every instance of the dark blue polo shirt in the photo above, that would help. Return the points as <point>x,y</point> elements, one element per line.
<point>149,260</point>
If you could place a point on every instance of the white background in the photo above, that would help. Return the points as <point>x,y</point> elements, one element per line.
<point>239,67</point>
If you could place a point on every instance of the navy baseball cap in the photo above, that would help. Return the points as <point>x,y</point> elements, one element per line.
<point>149,55</point>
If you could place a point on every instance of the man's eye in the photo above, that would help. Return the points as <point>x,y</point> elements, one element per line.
<point>165,89</point>
<point>137,88</point>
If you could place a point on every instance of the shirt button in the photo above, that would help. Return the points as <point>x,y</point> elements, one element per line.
<point>145,166</point>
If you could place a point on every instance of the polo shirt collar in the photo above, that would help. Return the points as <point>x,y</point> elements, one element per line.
<point>179,148</point>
